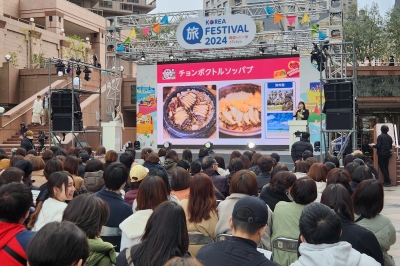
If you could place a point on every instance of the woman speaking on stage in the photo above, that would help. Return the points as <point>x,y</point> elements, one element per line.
<point>302,113</point>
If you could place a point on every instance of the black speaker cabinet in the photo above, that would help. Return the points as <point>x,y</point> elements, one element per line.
<point>61,102</point>
<point>63,122</point>
<point>338,95</point>
<point>337,119</point>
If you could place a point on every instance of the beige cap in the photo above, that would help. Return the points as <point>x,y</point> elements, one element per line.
<point>138,173</point>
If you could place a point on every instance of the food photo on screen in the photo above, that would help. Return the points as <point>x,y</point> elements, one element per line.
<point>239,111</point>
<point>189,111</point>
<point>280,100</point>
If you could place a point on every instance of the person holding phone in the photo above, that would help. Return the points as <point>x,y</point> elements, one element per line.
<point>301,113</point>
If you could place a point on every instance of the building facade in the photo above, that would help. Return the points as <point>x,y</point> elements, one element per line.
<point>108,8</point>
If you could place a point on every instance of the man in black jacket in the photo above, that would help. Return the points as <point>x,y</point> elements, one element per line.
<point>210,167</point>
<point>248,223</point>
<point>300,146</point>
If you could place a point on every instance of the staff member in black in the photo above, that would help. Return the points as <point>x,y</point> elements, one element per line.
<point>383,146</point>
<point>302,113</point>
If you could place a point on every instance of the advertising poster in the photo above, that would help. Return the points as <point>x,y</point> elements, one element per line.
<point>146,106</point>
<point>227,102</point>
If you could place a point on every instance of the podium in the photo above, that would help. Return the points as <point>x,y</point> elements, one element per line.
<point>294,126</point>
<point>392,161</point>
<point>112,135</point>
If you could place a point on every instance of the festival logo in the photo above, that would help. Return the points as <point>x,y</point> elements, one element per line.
<point>168,73</point>
<point>193,33</point>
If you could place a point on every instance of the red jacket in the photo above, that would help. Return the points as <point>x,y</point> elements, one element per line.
<point>131,195</point>
<point>14,238</point>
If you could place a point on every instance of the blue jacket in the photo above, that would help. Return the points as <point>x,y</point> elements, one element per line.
<point>119,211</point>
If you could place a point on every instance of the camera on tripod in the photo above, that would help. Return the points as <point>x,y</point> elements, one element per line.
<point>41,138</point>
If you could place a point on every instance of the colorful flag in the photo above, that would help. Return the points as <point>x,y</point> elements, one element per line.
<point>322,36</point>
<point>164,20</point>
<point>314,29</point>
<point>278,17</point>
<point>145,31</point>
<point>305,19</point>
<point>269,11</point>
<point>156,27</point>
<point>291,19</point>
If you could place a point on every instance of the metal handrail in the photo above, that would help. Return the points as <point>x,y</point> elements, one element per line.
<point>15,118</point>
<point>18,116</point>
<point>396,139</point>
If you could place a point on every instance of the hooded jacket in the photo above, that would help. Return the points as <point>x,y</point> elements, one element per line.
<point>271,198</point>
<point>133,228</point>
<point>23,129</point>
<point>299,147</point>
<point>338,254</point>
<point>101,253</point>
<point>92,182</point>
<point>16,238</point>
<point>169,165</point>
<point>27,144</point>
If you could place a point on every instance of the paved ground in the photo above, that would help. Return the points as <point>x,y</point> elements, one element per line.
<point>392,210</point>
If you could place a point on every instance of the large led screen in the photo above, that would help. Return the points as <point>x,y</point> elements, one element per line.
<point>227,102</point>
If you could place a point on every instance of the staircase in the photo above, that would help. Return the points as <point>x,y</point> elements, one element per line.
<point>15,142</point>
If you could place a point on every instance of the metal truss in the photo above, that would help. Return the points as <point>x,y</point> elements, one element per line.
<point>113,84</point>
<point>159,47</point>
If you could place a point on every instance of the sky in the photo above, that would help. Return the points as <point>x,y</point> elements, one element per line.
<point>182,5</point>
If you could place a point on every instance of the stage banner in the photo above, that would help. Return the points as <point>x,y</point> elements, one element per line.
<point>146,106</point>
<point>229,102</point>
<point>310,95</point>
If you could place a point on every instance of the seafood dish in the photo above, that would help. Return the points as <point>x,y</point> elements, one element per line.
<point>240,108</point>
<point>190,108</point>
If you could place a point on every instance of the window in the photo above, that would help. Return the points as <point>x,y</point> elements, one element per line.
<point>105,3</point>
<point>213,2</point>
<point>133,1</point>
<point>50,18</point>
<point>135,13</point>
<point>208,4</point>
<point>126,7</point>
<point>238,2</point>
<point>225,4</point>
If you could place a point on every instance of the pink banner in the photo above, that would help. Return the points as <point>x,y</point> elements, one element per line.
<point>276,68</point>
<point>291,19</point>
<point>145,31</point>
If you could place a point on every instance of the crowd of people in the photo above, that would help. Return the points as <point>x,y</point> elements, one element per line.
<point>163,209</point>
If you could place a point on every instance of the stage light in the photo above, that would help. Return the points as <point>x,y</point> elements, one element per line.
<point>251,145</point>
<point>318,58</point>
<point>143,57</point>
<point>98,65</point>
<point>317,146</point>
<point>294,48</point>
<point>298,134</point>
<point>32,20</point>
<point>87,72</point>
<point>121,68</point>
<point>209,146</point>
<point>171,55</point>
<point>168,145</point>
<point>60,68</point>
<point>7,57</point>
<point>136,145</point>
<point>261,50</point>
<point>78,70</point>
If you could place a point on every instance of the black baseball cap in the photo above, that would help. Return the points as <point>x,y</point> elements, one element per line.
<point>84,156</point>
<point>257,210</point>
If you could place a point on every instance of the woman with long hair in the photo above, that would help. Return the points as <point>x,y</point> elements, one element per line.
<point>165,236</point>
<point>117,116</point>
<point>254,165</point>
<point>336,197</point>
<point>152,192</point>
<point>243,183</point>
<point>50,208</point>
<point>368,203</point>
<point>201,208</point>
<point>90,213</point>
<point>187,155</point>
<point>52,165</point>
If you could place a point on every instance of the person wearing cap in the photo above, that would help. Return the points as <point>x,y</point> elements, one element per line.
<point>136,175</point>
<point>46,106</point>
<point>248,223</point>
<point>320,231</point>
<point>27,142</point>
<point>37,110</point>
<point>300,146</point>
